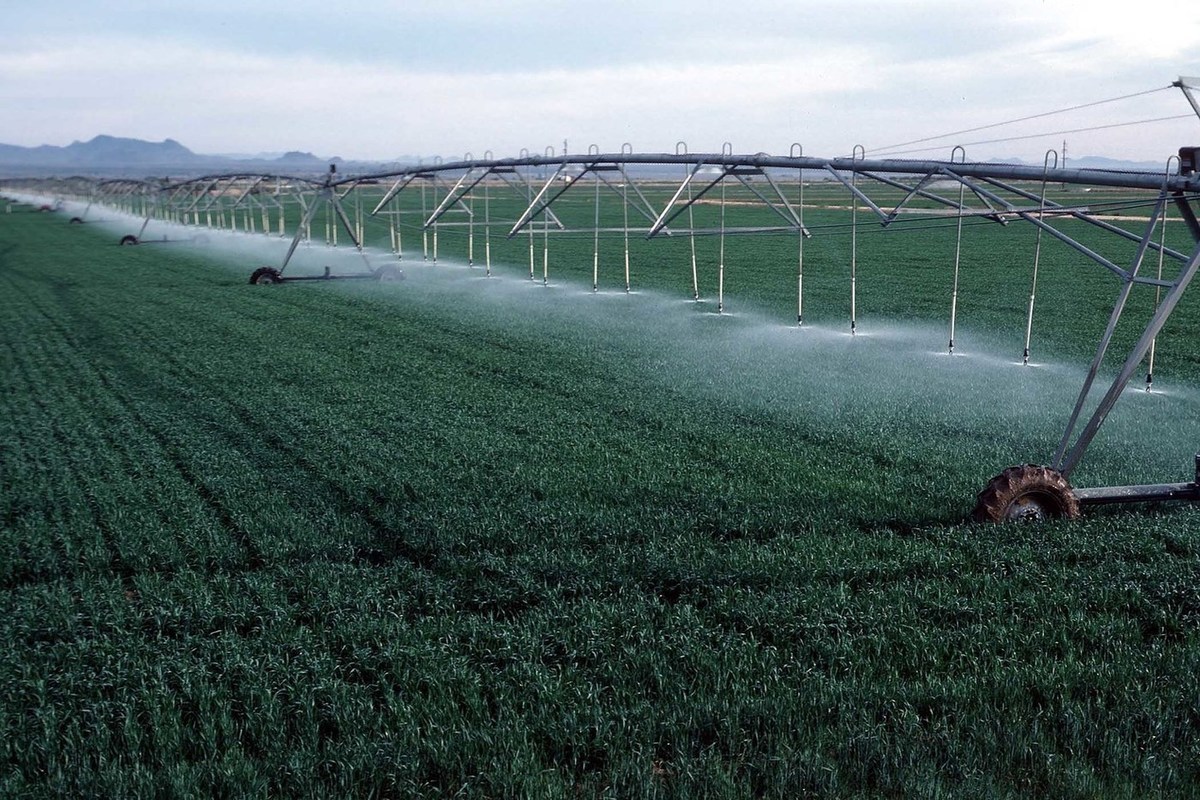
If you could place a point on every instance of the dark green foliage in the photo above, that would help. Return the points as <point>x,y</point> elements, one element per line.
<point>415,539</point>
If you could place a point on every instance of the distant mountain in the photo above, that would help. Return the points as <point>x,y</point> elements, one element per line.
<point>113,155</point>
<point>1099,162</point>
<point>1094,162</point>
<point>101,152</point>
<point>304,159</point>
<point>117,151</point>
<point>291,157</point>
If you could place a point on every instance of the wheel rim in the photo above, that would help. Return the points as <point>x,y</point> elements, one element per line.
<point>1032,507</point>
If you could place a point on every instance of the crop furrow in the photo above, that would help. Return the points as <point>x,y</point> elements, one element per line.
<point>84,476</point>
<point>173,457</point>
<point>517,371</point>
<point>69,479</point>
<point>253,428</point>
<point>30,452</point>
<point>119,447</point>
<point>442,343</point>
<point>388,546</point>
<point>254,556</point>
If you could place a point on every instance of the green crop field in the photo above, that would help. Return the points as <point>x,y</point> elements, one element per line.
<point>480,537</point>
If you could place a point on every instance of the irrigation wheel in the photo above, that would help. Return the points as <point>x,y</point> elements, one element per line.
<point>264,276</point>
<point>389,272</point>
<point>76,221</point>
<point>128,238</point>
<point>1028,493</point>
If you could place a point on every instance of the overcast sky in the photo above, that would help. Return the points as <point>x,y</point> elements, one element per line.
<point>376,79</point>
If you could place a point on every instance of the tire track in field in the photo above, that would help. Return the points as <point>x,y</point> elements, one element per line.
<point>477,356</point>
<point>130,461</point>
<point>254,557</point>
<point>479,364</point>
<point>52,419</point>
<point>478,361</point>
<point>79,480</point>
<point>32,454</point>
<point>389,545</point>
<point>383,533</point>
<point>103,432</point>
<point>7,248</point>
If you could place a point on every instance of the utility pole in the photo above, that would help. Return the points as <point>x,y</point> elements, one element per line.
<point>1064,162</point>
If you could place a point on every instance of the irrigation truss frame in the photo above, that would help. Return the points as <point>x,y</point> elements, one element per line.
<point>995,192</point>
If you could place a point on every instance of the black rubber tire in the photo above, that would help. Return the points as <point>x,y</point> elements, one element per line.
<point>265,276</point>
<point>128,238</point>
<point>1026,493</point>
<point>76,220</point>
<point>388,273</point>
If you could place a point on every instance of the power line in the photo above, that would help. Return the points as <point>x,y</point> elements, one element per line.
<point>1049,133</point>
<point>877,150</point>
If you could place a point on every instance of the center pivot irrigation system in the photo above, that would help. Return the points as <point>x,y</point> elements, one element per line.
<point>465,194</point>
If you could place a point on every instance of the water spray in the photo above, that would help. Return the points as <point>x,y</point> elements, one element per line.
<point>1009,493</point>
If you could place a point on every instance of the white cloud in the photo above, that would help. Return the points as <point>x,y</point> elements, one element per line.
<point>469,76</point>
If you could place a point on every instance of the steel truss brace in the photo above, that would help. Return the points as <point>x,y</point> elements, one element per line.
<point>1124,274</point>
<point>540,204</point>
<point>246,192</point>
<point>396,188</point>
<point>1062,462</point>
<point>918,190</point>
<point>525,187</point>
<point>1189,216</point>
<point>202,193</point>
<point>1058,209</point>
<point>1067,463</point>
<point>854,190</point>
<point>327,193</point>
<point>736,170</point>
<point>975,190</point>
<point>456,194</point>
<point>216,200</point>
<point>445,207</point>
<point>455,197</point>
